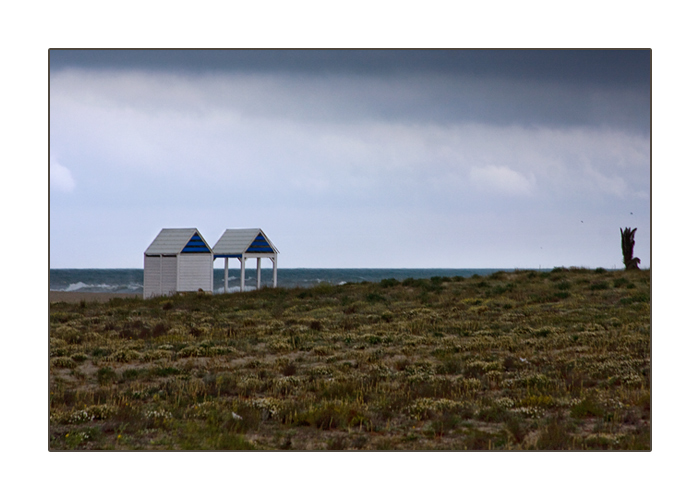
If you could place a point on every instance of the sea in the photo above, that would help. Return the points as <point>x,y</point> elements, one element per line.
<point>131,280</point>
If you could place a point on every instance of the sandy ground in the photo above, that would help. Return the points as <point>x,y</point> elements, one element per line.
<point>87,296</point>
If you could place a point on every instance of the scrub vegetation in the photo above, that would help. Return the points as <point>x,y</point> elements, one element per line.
<point>525,360</point>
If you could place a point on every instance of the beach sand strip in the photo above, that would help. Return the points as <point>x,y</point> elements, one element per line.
<point>88,296</point>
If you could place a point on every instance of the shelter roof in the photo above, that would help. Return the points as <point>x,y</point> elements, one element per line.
<point>175,241</point>
<point>235,242</point>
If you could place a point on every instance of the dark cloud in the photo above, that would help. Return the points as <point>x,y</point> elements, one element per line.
<point>591,67</point>
<point>504,87</point>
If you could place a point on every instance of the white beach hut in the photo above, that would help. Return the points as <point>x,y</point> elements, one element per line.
<point>245,244</point>
<point>178,260</point>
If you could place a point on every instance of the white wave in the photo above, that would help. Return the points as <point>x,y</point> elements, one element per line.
<point>232,289</point>
<point>74,287</point>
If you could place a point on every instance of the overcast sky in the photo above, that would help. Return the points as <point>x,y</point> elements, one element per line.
<point>459,159</point>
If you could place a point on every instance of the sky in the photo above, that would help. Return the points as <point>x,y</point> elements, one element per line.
<point>353,159</point>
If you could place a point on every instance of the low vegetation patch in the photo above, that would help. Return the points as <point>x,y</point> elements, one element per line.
<point>514,361</point>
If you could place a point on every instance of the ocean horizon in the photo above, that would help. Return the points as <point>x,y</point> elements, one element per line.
<point>131,280</point>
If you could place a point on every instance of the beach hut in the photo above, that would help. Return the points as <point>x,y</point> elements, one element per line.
<point>178,260</point>
<point>245,244</point>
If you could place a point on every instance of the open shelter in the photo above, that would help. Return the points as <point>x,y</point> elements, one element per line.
<point>178,260</point>
<point>245,244</point>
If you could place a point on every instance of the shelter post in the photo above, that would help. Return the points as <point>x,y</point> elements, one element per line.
<point>274,272</point>
<point>259,259</point>
<point>242,273</point>
<point>225,274</point>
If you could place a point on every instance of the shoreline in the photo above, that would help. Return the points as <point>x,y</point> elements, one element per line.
<point>75,297</point>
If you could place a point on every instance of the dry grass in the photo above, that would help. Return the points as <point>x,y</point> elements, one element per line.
<point>523,360</point>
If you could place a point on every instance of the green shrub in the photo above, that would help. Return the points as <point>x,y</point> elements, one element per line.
<point>442,424</point>
<point>165,371</point>
<point>106,375</point>
<point>373,298</point>
<point>563,285</point>
<point>619,282</point>
<point>600,442</point>
<point>493,414</point>
<point>556,435</point>
<point>431,285</point>
<point>288,368</point>
<point>587,408</point>
<point>542,332</point>
<point>517,426</point>
<point>638,297</point>
<point>337,443</point>
<point>133,373</point>
<point>79,357</point>
<point>499,290</point>
<point>100,352</point>
<point>63,362</point>
<point>332,415</point>
<point>450,366</point>
<point>68,333</point>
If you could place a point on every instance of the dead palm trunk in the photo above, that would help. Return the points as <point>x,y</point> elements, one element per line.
<point>631,262</point>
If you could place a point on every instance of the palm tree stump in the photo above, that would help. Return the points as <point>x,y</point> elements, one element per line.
<point>631,262</point>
